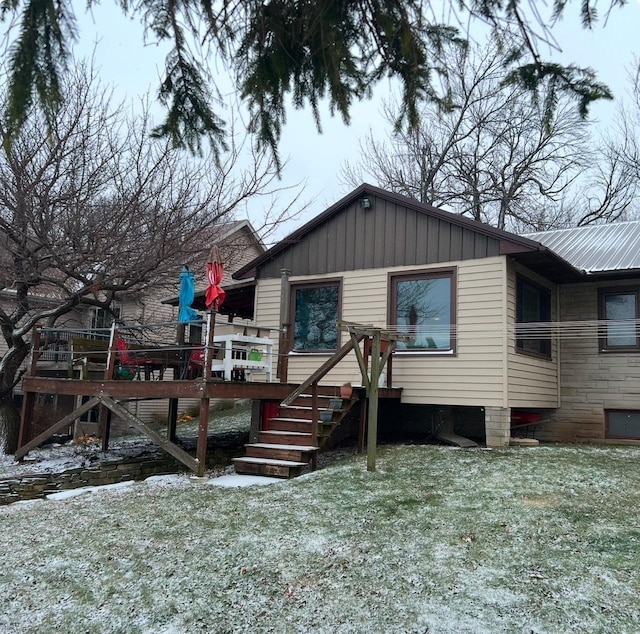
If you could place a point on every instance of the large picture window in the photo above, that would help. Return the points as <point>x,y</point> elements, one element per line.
<point>316,310</point>
<point>423,306</point>
<point>533,308</point>
<point>619,309</point>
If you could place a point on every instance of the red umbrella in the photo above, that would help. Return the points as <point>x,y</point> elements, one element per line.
<point>214,267</point>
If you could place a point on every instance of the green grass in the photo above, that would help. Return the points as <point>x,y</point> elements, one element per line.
<point>437,540</point>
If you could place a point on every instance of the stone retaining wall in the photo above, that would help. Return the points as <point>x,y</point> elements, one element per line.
<point>29,487</point>
<point>220,450</point>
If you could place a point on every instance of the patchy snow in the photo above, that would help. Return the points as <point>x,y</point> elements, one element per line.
<point>172,479</point>
<point>72,493</point>
<point>438,540</point>
<point>56,458</point>
<point>236,480</point>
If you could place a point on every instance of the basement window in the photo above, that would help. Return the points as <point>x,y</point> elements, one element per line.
<point>622,424</point>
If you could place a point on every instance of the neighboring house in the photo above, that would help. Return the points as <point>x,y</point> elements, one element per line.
<point>484,309</point>
<point>238,243</point>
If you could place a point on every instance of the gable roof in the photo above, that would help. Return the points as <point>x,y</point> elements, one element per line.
<point>597,249</point>
<point>231,228</point>
<point>534,254</point>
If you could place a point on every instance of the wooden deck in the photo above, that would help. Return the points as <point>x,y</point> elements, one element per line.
<point>298,431</point>
<point>196,388</point>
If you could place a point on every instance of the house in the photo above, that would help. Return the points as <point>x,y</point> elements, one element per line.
<point>501,327</point>
<point>238,243</point>
<point>598,361</point>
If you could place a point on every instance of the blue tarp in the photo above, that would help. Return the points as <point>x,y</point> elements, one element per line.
<point>187,294</point>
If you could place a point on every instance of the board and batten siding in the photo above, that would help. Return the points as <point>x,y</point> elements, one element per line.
<point>474,376</point>
<point>591,381</point>
<point>385,236</point>
<point>533,382</point>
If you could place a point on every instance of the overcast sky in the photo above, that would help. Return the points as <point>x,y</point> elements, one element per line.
<point>134,69</point>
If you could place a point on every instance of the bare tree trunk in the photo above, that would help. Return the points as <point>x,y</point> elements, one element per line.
<point>9,425</point>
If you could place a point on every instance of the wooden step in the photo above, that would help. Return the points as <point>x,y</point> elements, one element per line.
<point>299,425</point>
<point>268,467</point>
<point>277,437</point>
<point>290,424</point>
<point>296,453</point>
<point>294,411</point>
<point>304,400</point>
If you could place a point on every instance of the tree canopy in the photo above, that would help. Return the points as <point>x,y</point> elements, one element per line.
<point>308,50</point>
<point>96,211</point>
<point>494,155</point>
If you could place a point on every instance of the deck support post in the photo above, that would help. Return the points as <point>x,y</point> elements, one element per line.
<point>282,365</point>
<point>104,420</point>
<point>314,423</point>
<point>362,425</point>
<point>203,420</point>
<point>497,421</point>
<point>172,419</point>
<point>372,432</point>
<point>172,414</point>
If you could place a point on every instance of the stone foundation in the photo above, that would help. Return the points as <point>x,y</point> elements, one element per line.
<point>497,426</point>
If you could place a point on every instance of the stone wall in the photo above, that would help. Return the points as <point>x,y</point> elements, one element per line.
<point>29,487</point>
<point>221,448</point>
<point>591,381</point>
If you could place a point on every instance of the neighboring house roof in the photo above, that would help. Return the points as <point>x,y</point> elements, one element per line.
<point>228,229</point>
<point>596,249</point>
<point>378,233</point>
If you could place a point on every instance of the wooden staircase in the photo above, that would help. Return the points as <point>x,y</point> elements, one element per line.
<point>287,446</point>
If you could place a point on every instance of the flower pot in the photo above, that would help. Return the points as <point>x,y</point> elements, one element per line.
<point>346,390</point>
<point>335,403</point>
<point>326,415</point>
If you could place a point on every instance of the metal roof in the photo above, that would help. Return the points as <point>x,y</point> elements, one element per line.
<point>596,248</point>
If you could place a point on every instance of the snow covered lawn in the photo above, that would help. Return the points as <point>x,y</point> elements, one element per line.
<point>438,540</point>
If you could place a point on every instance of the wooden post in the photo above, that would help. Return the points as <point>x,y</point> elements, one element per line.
<point>391,346</point>
<point>314,423</point>
<point>282,365</point>
<point>372,432</point>
<point>208,344</point>
<point>111,354</point>
<point>362,424</point>
<point>104,420</point>
<point>172,419</point>
<point>26,418</point>
<point>203,421</point>
<point>172,414</point>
